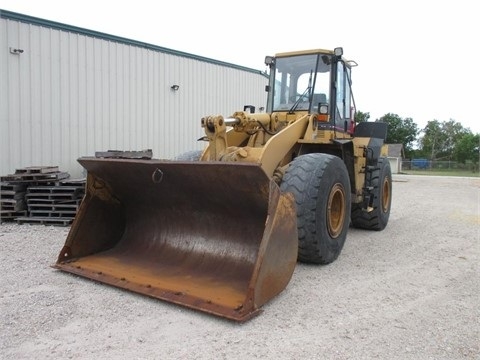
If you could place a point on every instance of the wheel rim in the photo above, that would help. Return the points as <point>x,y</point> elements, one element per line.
<point>386,195</point>
<point>336,210</point>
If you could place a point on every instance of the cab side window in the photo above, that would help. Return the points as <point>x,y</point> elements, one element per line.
<point>344,94</point>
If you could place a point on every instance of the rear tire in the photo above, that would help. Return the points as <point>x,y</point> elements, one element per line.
<point>377,219</point>
<point>321,188</point>
<point>192,155</point>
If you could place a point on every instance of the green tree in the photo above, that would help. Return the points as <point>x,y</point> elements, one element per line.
<point>440,138</point>
<point>432,140</point>
<point>467,148</point>
<point>400,131</point>
<point>361,116</point>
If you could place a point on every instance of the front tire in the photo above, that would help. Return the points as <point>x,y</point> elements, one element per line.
<point>321,188</point>
<point>377,219</point>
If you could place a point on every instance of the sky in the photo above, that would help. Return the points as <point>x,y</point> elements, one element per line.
<point>416,59</point>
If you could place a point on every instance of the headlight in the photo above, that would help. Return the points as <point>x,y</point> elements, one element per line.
<point>338,51</point>
<point>269,60</point>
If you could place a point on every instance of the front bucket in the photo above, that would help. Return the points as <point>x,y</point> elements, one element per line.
<point>217,237</point>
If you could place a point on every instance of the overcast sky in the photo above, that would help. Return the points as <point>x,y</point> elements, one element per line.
<point>417,59</point>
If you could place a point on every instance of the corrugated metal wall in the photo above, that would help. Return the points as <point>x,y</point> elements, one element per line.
<point>68,95</point>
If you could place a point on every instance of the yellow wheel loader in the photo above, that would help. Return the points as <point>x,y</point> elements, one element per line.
<point>221,230</point>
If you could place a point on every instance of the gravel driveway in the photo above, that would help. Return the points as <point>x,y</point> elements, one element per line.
<point>409,292</point>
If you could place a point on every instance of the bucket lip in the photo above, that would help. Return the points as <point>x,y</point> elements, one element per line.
<point>244,313</point>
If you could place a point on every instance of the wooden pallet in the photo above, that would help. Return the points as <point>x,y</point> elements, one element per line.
<point>10,189</point>
<point>52,205</point>
<point>12,197</point>
<point>35,177</point>
<point>55,192</point>
<point>13,204</point>
<point>44,220</point>
<point>37,170</point>
<point>6,215</point>
<point>35,174</point>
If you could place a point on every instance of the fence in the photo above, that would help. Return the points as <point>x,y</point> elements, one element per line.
<point>435,165</point>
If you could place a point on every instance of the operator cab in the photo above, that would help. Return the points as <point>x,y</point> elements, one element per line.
<point>315,81</point>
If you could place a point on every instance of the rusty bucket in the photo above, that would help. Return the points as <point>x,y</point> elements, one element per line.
<point>215,237</point>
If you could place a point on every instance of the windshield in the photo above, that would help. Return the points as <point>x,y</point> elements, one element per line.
<point>298,82</point>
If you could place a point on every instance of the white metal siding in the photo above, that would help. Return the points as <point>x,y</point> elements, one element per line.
<point>69,95</point>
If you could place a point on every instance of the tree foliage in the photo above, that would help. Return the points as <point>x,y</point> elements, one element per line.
<point>440,139</point>
<point>361,116</point>
<point>400,131</point>
<point>447,140</point>
<point>467,148</point>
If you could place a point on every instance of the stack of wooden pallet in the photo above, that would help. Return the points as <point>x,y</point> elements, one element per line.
<point>54,204</point>
<point>12,201</point>
<point>42,195</point>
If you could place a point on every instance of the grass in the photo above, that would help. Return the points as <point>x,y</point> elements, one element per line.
<point>436,172</point>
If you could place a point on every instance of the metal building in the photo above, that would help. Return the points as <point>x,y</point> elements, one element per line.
<point>67,92</point>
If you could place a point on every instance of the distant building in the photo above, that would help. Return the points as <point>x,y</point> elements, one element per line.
<point>68,92</point>
<point>395,155</point>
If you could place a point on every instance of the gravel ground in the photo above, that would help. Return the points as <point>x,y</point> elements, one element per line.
<point>409,292</point>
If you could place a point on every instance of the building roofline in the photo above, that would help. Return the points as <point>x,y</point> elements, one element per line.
<point>10,15</point>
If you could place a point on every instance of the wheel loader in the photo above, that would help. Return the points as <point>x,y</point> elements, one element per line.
<point>221,230</point>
